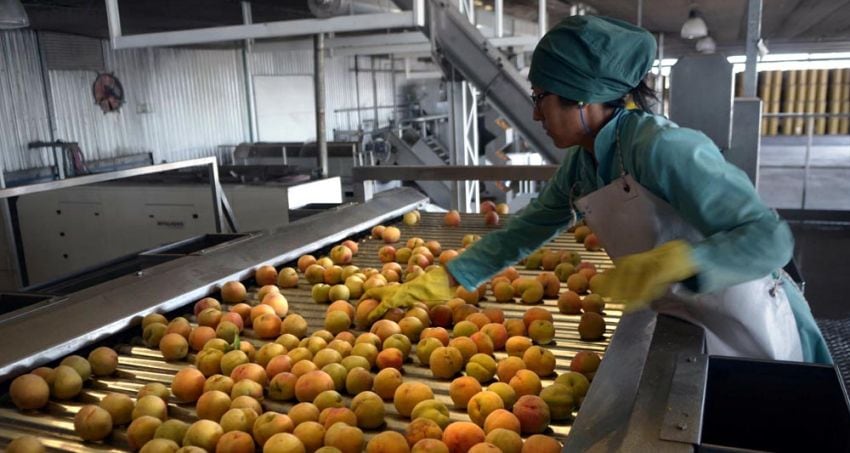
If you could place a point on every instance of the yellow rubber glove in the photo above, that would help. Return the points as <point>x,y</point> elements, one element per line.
<point>430,287</point>
<point>638,279</point>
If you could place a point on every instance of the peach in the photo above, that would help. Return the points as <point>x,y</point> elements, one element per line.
<point>304,412</point>
<point>435,248</point>
<point>235,442</point>
<point>241,419</point>
<point>539,443</point>
<point>269,424</point>
<point>412,326</point>
<point>452,218</point>
<point>591,243</point>
<point>390,358</point>
<point>560,401</point>
<point>422,428</point>
<point>387,382</point>
<point>325,262</point>
<point>150,405</point>
<point>482,367</point>
<point>491,218</point>
<point>321,293</point>
<point>487,206</point>
<point>278,302</point>
<point>507,368</point>
<point>470,297</point>
<point>503,291</point>
<point>461,436</point>
<point>368,407</point>
<point>218,382</point>
<point>447,255</point>
<point>358,380</point>
<point>569,303</point>
<point>378,231</point>
<point>564,270</point>
<point>535,313</point>
<point>408,395</point>
<point>250,371</point>
<point>209,317</point>
<point>92,423</point>
<point>303,367</point>
<point>525,382</point>
<point>311,434</point>
<point>483,404</point>
<point>247,402</point>
<point>469,239</point>
<point>505,391</point>
<point>465,345</point>
<point>515,328</point>
<point>315,273</point>
<point>580,233</point>
<point>267,325</point>
<point>462,389</point>
<point>119,406</point>
<point>200,336</point>
<point>503,209</point>
<point>341,255</point>
<point>233,292</point>
<point>506,440</point>
<point>157,318</point>
<point>383,328</point>
<point>347,439</point>
<point>593,303</point>
<point>549,260</point>
<point>304,261</point>
<point>516,346</point>
<point>597,283</point>
<point>29,391</point>
<point>311,384</point>
<point>295,325</point>
<point>332,415</point>
<point>533,414</point>
<point>265,275</point>
<point>287,278</point>
<point>429,446</point>
<point>391,235</point>
<point>586,363</point>
<point>577,283</point>
<point>433,410</point>
<point>389,441</point>
<point>155,389</point>
<point>258,310</point>
<point>483,343</point>
<point>278,364</point>
<point>188,384</point>
<point>353,246</point>
<point>386,254</point>
<point>541,332</point>
<point>445,362</point>
<point>247,388</point>
<point>212,405</point>
<point>141,431</point>
<point>576,383</point>
<point>551,284</point>
<point>591,327</point>
<point>461,312</point>
<point>497,333</point>
<point>227,331</point>
<point>539,360</point>
<point>530,290</point>
<point>501,418</point>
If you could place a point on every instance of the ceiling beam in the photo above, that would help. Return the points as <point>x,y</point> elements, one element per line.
<point>807,15</point>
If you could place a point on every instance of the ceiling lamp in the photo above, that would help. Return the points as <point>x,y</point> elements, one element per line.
<point>12,15</point>
<point>694,27</point>
<point>706,45</point>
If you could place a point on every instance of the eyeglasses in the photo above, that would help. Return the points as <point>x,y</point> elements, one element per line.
<point>536,98</point>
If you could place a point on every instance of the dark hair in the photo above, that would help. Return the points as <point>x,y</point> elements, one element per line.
<point>642,95</point>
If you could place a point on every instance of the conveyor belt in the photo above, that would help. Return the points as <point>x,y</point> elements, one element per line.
<point>139,365</point>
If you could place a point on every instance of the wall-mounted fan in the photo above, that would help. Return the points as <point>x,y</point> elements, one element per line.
<point>108,92</point>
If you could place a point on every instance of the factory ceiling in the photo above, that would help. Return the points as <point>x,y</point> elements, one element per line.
<point>793,25</point>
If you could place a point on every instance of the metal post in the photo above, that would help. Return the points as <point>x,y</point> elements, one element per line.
<point>541,17</point>
<point>662,108</point>
<point>18,264</point>
<point>357,91</point>
<point>113,19</point>
<point>247,52</point>
<point>810,128</point>
<point>395,89</point>
<point>48,106</point>
<point>216,196</point>
<point>500,18</point>
<point>374,91</point>
<point>640,13</point>
<point>319,76</point>
<point>754,8</point>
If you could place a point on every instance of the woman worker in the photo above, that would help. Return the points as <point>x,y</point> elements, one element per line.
<point>686,230</point>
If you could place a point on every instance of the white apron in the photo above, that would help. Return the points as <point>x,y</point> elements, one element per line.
<point>751,319</point>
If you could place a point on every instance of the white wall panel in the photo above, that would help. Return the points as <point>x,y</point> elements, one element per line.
<point>23,111</point>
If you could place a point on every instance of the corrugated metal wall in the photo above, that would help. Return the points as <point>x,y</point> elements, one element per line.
<point>23,111</point>
<point>181,103</point>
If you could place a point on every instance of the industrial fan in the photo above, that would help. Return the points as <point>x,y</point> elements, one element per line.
<point>108,92</point>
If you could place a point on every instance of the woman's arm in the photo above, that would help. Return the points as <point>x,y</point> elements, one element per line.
<point>542,219</point>
<point>744,239</point>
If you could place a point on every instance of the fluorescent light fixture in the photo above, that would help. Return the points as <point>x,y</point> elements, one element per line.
<point>12,15</point>
<point>694,27</point>
<point>706,45</point>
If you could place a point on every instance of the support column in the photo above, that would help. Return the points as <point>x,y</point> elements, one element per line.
<point>542,17</point>
<point>319,88</point>
<point>247,52</point>
<point>754,9</point>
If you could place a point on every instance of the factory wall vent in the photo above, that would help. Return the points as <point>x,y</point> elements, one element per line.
<point>72,52</point>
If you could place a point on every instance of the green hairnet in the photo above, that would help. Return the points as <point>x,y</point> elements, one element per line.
<point>592,59</point>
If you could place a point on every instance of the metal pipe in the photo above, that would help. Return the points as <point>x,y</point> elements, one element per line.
<point>754,9</point>
<point>247,51</point>
<point>113,20</point>
<point>640,13</point>
<point>357,90</point>
<point>500,18</point>
<point>374,92</point>
<point>216,196</point>
<point>395,91</point>
<point>542,17</point>
<point>319,88</point>
<point>810,126</point>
